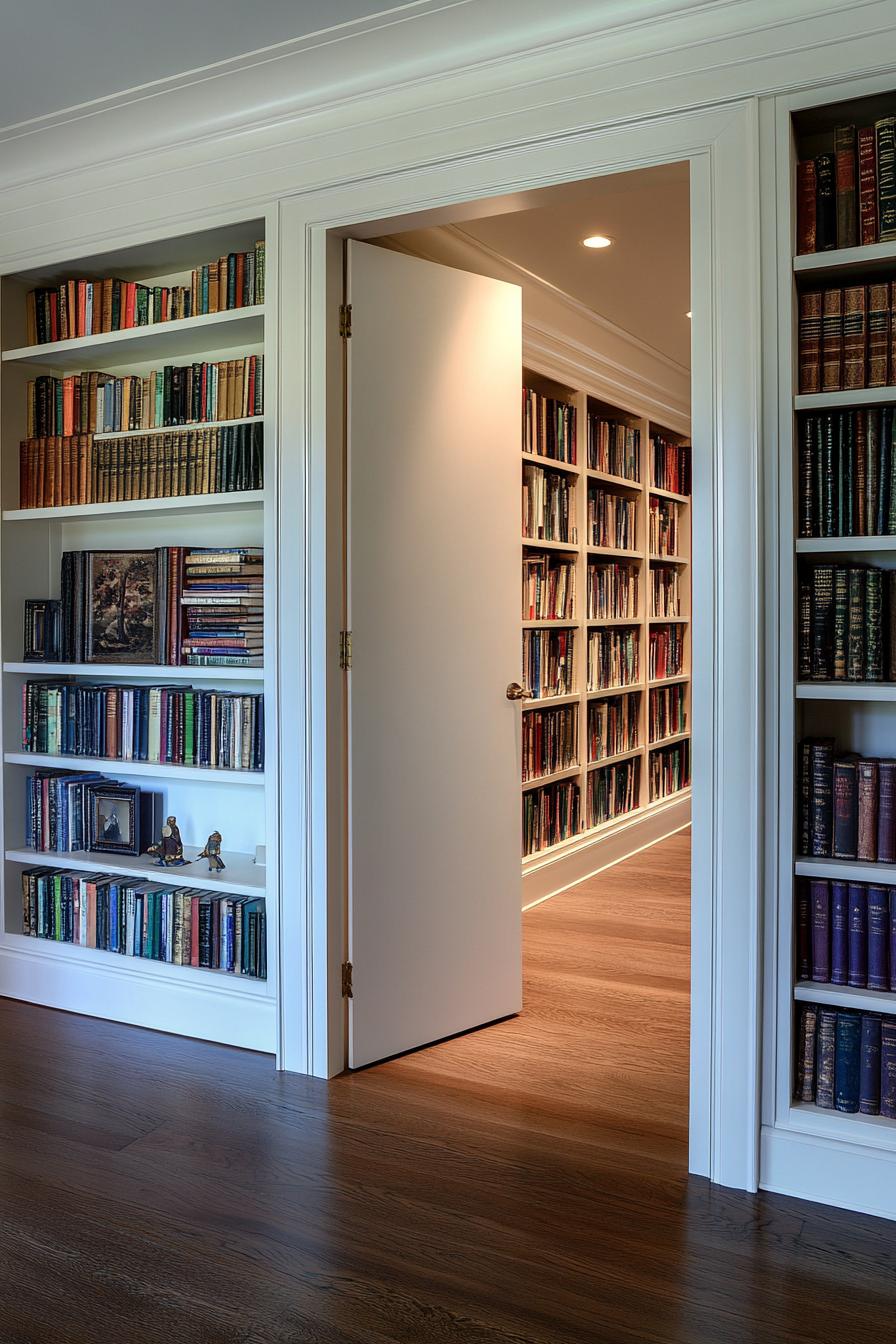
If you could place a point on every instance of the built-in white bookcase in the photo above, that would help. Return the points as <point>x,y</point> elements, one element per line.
<point>240,804</point>
<point>642,491</point>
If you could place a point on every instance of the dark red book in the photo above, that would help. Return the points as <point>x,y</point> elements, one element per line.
<point>832,341</point>
<point>845,172</point>
<point>805,206</point>
<point>867,186</point>
<point>886,812</point>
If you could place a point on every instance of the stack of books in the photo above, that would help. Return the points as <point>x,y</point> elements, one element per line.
<point>846,197</point>
<point>223,598</point>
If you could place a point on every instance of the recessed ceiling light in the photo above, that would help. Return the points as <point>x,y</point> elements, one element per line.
<point>597,240</point>
<point>687,314</point>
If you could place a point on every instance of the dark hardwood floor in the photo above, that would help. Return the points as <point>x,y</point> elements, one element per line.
<point>523,1183</point>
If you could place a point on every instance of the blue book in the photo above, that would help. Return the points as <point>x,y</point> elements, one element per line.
<point>847,1061</point>
<point>878,938</point>
<point>839,933</point>
<point>858,935</point>
<point>869,1067</point>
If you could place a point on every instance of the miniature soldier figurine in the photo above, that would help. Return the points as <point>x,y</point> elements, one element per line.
<point>169,850</point>
<point>212,852</point>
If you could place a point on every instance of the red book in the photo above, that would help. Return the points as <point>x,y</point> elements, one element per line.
<point>867,186</point>
<point>82,308</point>
<point>805,206</point>
<point>832,341</point>
<point>130,304</point>
<point>855,346</point>
<point>810,341</point>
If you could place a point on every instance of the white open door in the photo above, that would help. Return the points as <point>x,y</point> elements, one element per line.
<point>435,376</point>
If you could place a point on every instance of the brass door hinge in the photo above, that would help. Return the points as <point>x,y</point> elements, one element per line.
<point>346,980</point>
<point>345,649</point>
<point>345,320</point>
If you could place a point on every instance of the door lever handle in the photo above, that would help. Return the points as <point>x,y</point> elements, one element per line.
<point>517,692</point>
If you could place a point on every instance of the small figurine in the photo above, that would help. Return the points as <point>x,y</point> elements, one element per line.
<point>212,852</point>
<point>169,851</point>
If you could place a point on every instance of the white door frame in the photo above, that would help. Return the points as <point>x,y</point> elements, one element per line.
<point>721,144</point>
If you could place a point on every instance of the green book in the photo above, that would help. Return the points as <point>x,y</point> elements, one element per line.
<point>190,728</point>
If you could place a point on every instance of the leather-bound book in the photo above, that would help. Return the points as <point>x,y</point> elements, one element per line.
<point>884,457</point>
<point>861,517</point>
<point>848,493</point>
<point>809,341</point>
<point>805,206</point>
<point>829,476</point>
<point>846,192</point>
<point>822,621</point>
<point>832,340</point>
<point>804,1083</point>
<point>872,436</point>
<point>874,646</point>
<point>822,798</point>
<point>841,623</point>
<point>839,933</point>
<point>855,338</point>
<point>869,797</point>
<point>886,813</point>
<point>805,637</point>
<point>891,896</point>
<point>846,807</point>
<point>867,186</point>
<point>878,937</point>
<point>825,203</point>
<point>857,600</point>
<point>824,1058</point>
<point>847,1061</point>
<point>869,1065</point>
<point>803,930</point>
<point>878,323</point>
<point>820,903</point>
<point>888,1067</point>
<point>807,485</point>
<point>886,178</point>
<point>858,935</point>
<point>804,797</point>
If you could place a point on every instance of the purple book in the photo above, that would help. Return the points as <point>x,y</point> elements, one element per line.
<point>878,938</point>
<point>858,935</point>
<point>892,891</point>
<point>820,897</point>
<point>888,1068</point>
<point>886,814</point>
<point>839,933</point>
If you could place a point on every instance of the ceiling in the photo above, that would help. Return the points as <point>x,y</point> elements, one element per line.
<point>642,282</point>
<point>56,55</point>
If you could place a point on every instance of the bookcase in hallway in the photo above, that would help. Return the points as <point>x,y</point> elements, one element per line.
<point>605,616</point>
<point>178,460</point>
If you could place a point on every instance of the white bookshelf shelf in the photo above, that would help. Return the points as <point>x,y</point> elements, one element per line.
<point>615,759</point>
<point>874,1130</point>
<point>190,426</point>
<point>125,672</point>
<point>669,494</point>
<point>236,327</point>
<point>166,507</point>
<point>668,559</point>
<point>615,552</point>
<point>241,876</point>
<point>611,622</point>
<point>846,870</point>
<point>843,545</point>
<point>832,401</point>
<point>40,761</point>
<point>550,701</point>
<point>844,261</point>
<point>568,773</point>
<point>533,543</point>
<point>669,681</point>
<point>601,692</point>
<point>668,741</point>
<point>668,620</point>
<point>550,464</point>
<point>550,625</point>
<point>615,482</point>
<point>845,996</point>
<point>881,691</point>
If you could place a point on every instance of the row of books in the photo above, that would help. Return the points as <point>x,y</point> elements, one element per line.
<point>549,427</point>
<point>664,527</point>
<point>845,338</point>
<point>613,725</point>
<point>846,197</point>
<point>666,588</point>
<point>846,804</point>
<point>612,519</point>
<point>613,592</point>
<point>666,712</point>
<point>551,814</point>
<point>548,662</point>
<point>613,790</point>
<point>88,307</point>
<point>846,1060</point>
<point>671,463</point>
<point>847,474</point>
<point>68,811</point>
<point>183,926</point>
<point>847,623</point>
<point>549,587</point>
<point>550,741</point>
<point>169,725</point>
<point>846,933</point>
<point>177,394</point>
<point>613,658</point>
<point>614,448</point>
<point>78,469</point>
<point>129,607</point>
<point>670,770</point>
<point>666,652</point>
<point>549,505</point>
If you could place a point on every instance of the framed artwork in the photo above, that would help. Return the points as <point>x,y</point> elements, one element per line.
<point>114,822</point>
<point>121,594</point>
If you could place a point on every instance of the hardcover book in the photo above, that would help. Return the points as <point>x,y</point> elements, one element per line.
<point>847,1061</point>
<point>869,1065</point>
<point>839,933</point>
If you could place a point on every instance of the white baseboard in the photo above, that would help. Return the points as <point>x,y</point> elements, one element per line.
<point>583,858</point>
<point>826,1171</point>
<point>171,999</point>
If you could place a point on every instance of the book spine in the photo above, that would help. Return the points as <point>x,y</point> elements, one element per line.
<point>842,623</point>
<point>808,1028</point>
<point>855,347</point>
<point>824,1062</point>
<point>855,669</point>
<point>803,930</point>
<point>846,809</point>
<point>878,334</point>
<point>847,1061</point>
<point>822,621</point>
<point>888,1068</point>
<point>807,490</point>
<point>810,329</point>
<point>878,938</point>
<point>886,178</point>
<point>821,799</point>
<point>805,206</point>
<point>839,933</point>
<point>869,1065</point>
<point>805,639</point>
<point>867,186</point>
<point>858,935</point>
<point>832,341</point>
<point>869,799</point>
<point>846,195</point>
<point>820,898</point>
<point>874,646</point>
<point>825,203</point>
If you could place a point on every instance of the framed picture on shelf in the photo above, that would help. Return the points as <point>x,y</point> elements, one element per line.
<point>121,589</point>
<point>114,819</point>
<point>43,628</point>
